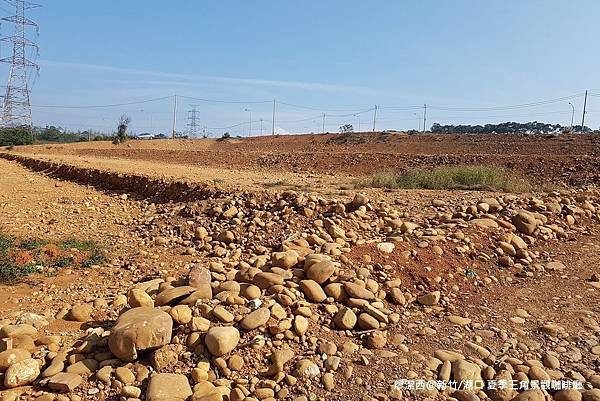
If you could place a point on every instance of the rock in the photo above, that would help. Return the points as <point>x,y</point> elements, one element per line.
<point>446,355</point>
<point>265,280</point>
<point>312,290</point>
<point>139,329</point>
<point>222,340</point>
<point>525,222</point>
<point>279,358</point>
<point>137,298</point>
<point>356,291</point>
<point>172,295</point>
<point>16,330</point>
<point>567,395</point>
<point>429,299</point>
<point>467,372</point>
<point>21,373</point>
<point>226,237</point>
<point>386,247</point>
<point>484,223</point>
<point>80,313</point>
<point>359,200</point>
<point>199,276</point>
<point>321,271</point>
<point>168,387</point>
<point>285,260</point>
<point>300,325</point>
<point>367,322</point>
<point>530,395</point>
<point>64,382</point>
<point>181,314</point>
<point>328,381</point>
<point>255,319</point>
<point>591,395</point>
<point>12,356</point>
<point>307,368</point>
<point>345,319</point>
<point>83,367</point>
<point>124,375</point>
<point>376,340</point>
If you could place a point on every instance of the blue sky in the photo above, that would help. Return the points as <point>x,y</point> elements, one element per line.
<point>338,57</point>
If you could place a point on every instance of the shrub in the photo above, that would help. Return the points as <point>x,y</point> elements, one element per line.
<point>450,177</point>
<point>15,136</point>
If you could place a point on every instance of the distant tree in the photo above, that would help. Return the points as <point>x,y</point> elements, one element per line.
<point>533,127</point>
<point>122,126</point>
<point>346,128</point>
<point>15,136</point>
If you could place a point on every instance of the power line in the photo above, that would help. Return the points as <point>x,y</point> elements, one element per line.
<point>225,101</point>
<point>102,105</point>
<point>517,106</point>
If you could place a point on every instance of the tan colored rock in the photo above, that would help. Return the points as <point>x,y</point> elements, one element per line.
<point>137,298</point>
<point>300,325</point>
<point>430,299</point>
<point>255,319</point>
<point>21,373</point>
<point>172,295</point>
<point>320,271</point>
<point>64,382</point>
<point>222,340</point>
<point>139,329</point>
<point>356,291</point>
<point>345,319</point>
<point>265,280</point>
<point>312,290</point>
<point>80,313</point>
<point>168,387</point>
<point>181,314</point>
<point>467,372</point>
<point>12,356</point>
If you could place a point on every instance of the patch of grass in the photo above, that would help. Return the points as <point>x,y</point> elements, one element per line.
<point>19,258</point>
<point>5,243</point>
<point>31,244</point>
<point>79,245</point>
<point>274,184</point>
<point>483,178</point>
<point>10,272</point>
<point>95,259</point>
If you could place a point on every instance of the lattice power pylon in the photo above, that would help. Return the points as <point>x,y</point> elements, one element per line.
<point>17,107</point>
<point>192,125</point>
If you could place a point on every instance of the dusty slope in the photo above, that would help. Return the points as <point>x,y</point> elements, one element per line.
<point>574,160</point>
<point>147,241</point>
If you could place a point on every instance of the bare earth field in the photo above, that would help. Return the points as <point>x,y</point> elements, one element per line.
<point>251,269</point>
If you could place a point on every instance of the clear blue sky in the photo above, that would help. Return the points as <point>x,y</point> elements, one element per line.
<point>332,55</point>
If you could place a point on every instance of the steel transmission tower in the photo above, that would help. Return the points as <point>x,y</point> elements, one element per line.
<point>192,125</point>
<point>17,107</point>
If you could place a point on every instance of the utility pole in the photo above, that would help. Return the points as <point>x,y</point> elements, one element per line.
<point>424,117</point>
<point>572,117</point>
<point>374,118</point>
<point>323,122</point>
<point>17,105</point>
<point>192,125</point>
<point>250,128</point>
<point>174,117</point>
<point>583,115</point>
<point>273,133</point>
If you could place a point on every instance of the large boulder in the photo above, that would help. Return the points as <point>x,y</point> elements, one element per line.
<point>139,329</point>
